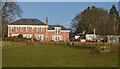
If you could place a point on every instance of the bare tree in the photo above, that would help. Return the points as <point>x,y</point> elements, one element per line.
<point>10,10</point>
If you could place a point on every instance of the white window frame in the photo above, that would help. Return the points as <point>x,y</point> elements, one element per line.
<point>42,29</point>
<point>27,35</point>
<point>21,29</point>
<point>27,29</point>
<point>40,36</point>
<point>38,29</point>
<point>12,29</point>
<point>58,37</point>
<point>57,30</point>
<point>17,29</point>
<point>33,29</point>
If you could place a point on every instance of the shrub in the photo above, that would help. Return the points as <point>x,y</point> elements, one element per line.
<point>20,36</point>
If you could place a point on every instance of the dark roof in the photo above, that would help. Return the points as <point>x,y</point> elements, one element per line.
<point>90,33</point>
<point>82,37</point>
<point>77,34</point>
<point>51,27</point>
<point>28,21</point>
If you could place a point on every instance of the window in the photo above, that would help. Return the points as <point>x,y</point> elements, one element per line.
<point>38,29</point>
<point>21,29</point>
<point>17,28</point>
<point>12,29</point>
<point>57,38</point>
<point>32,29</point>
<point>40,37</point>
<point>57,30</point>
<point>27,36</point>
<point>42,30</point>
<point>27,29</point>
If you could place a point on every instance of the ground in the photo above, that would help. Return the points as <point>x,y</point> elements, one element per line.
<point>54,55</point>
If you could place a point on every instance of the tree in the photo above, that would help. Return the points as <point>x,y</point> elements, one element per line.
<point>114,18</point>
<point>91,18</point>
<point>0,22</point>
<point>119,19</point>
<point>114,12</point>
<point>10,10</point>
<point>119,27</point>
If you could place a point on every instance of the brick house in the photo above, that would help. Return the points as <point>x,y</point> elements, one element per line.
<point>38,29</point>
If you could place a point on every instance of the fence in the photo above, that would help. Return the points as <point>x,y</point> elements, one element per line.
<point>94,43</point>
<point>14,39</point>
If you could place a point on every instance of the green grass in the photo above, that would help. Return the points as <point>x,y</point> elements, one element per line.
<point>51,55</point>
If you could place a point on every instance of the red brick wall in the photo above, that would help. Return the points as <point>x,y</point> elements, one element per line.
<point>65,35</point>
<point>25,32</point>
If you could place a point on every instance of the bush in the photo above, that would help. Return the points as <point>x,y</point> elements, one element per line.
<point>20,36</point>
<point>52,41</point>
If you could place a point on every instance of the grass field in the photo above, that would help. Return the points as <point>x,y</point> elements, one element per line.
<point>53,55</point>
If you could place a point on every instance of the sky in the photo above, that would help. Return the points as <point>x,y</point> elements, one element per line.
<point>60,0</point>
<point>58,12</point>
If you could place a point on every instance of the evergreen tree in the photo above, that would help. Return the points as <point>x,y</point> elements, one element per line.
<point>114,16</point>
<point>114,12</point>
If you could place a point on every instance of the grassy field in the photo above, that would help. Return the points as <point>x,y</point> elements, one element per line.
<point>53,55</point>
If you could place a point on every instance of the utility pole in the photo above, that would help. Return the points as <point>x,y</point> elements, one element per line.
<point>94,34</point>
<point>94,31</point>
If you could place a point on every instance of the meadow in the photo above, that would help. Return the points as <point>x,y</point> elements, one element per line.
<point>17,54</point>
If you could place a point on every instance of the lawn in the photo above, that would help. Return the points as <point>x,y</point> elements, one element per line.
<point>54,55</point>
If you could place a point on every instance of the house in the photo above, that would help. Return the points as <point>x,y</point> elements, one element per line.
<point>87,36</point>
<point>90,36</point>
<point>77,36</point>
<point>29,28</point>
<point>113,39</point>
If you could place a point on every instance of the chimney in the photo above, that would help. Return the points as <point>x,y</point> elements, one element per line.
<point>46,20</point>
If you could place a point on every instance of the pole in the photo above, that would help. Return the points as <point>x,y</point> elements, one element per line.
<point>94,34</point>
<point>94,31</point>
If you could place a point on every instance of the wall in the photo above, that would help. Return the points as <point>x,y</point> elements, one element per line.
<point>47,34</point>
<point>65,35</point>
<point>25,32</point>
